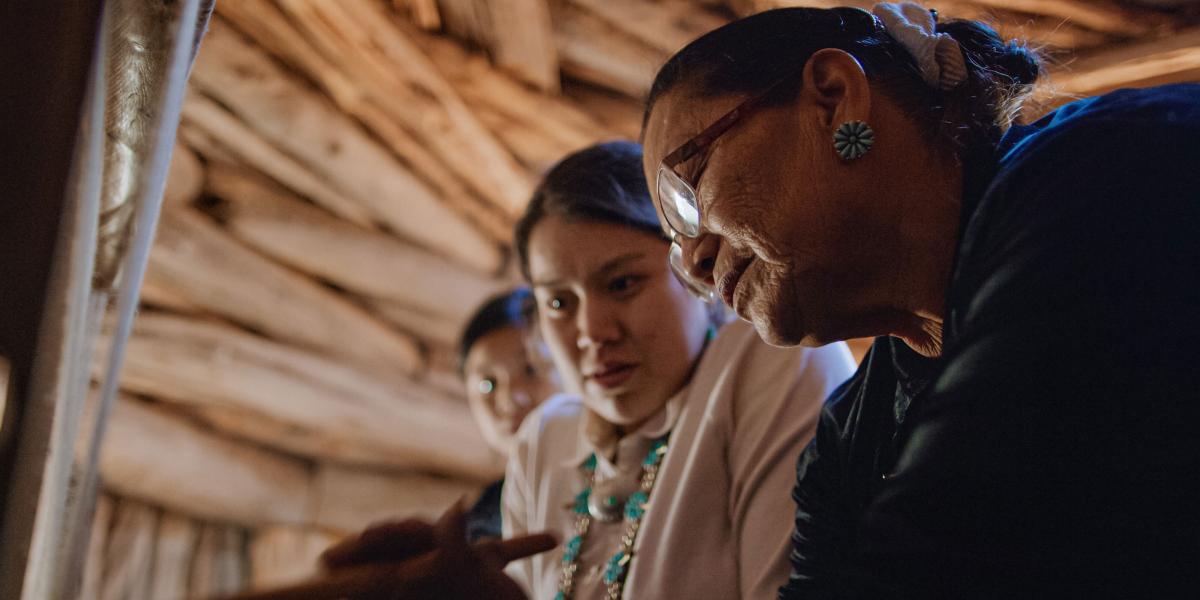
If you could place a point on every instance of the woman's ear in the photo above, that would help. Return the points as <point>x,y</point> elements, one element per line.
<point>835,84</point>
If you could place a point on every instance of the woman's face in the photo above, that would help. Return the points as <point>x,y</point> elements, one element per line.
<point>623,332</point>
<point>504,384</point>
<point>780,214</point>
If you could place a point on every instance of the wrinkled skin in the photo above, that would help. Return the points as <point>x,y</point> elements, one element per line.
<point>835,249</point>
<point>606,297</point>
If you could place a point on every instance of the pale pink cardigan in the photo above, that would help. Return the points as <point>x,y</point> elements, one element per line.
<point>720,517</point>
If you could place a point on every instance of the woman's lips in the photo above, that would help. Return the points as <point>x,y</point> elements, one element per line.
<point>729,282</point>
<point>612,375</point>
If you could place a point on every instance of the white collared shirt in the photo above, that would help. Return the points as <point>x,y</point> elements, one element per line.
<point>720,516</point>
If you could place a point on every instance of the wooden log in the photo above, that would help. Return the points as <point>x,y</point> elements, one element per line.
<point>221,563</point>
<point>368,262</point>
<point>195,259</point>
<point>359,37</point>
<point>1172,59</point>
<point>129,556</point>
<point>306,126</point>
<point>666,25</point>
<point>424,13</point>
<point>185,178</point>
<point>433,329</point>
<point>155,455</point>
<point>93,567</point>
<point>523,41</point>
<point>281,555</point>
<point>1098,16</point>
<point>177,537</point>
<point>539,129</point>
<point>220,136</point>
<point>387,417</point>
<point>349,500</point>
<point>270,28</point>
<point>594,50</point>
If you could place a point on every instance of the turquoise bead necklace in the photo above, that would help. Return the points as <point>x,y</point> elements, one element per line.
<point>618,564</point>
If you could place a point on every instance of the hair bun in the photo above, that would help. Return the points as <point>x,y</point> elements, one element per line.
<point>985,49</point>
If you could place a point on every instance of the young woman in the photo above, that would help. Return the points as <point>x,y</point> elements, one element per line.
<point>507,376</point>
<point>666,470</point>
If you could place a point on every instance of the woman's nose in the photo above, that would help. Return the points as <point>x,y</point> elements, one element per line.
<point>596,324</point>
<point>699,256</point>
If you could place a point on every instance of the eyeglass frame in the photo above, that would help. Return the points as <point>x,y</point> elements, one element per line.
<point>701,142</point>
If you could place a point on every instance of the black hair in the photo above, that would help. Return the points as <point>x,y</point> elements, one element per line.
<point>510,309</point>
<point>748,55</point>
<point>602,183</point>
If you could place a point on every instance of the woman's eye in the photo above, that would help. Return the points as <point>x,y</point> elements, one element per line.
<point>622,284</point>
<point>556,303</point>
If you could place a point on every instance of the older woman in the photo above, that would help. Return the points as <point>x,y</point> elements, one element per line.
<point>667,470</point>
<point>1028,428</point>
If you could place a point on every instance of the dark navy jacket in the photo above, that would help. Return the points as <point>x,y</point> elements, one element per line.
<point>1054,448</point>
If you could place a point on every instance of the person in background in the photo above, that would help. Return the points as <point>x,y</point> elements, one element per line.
<point>507,376</point>
<point>666,469</point>
<point>1026,425</point>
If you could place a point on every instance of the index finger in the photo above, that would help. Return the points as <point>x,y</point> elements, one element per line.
<point>506,551</point>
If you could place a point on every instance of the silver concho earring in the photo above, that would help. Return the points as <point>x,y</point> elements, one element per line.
<point>853,139</point>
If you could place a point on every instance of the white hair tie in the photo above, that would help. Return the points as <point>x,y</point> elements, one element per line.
<point>938,55</point>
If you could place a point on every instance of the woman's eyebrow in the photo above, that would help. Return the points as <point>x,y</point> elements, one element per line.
<point>616,263</point>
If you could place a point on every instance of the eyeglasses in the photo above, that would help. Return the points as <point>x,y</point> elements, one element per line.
<point>677,195</point>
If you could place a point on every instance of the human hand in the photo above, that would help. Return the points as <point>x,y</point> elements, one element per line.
<point>415,560</point>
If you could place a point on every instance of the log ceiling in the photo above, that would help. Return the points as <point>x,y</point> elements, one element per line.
<point>342,196</point>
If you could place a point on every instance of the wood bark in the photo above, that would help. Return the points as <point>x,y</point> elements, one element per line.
<point>198,261</point>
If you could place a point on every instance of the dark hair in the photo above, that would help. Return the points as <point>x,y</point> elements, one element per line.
<point>511,309</point>
<point>602,183</point>
<point>748,55</point>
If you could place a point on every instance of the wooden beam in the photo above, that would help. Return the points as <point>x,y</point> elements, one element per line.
<point>281,555</point>
<point>305,125</point>
<point>592,49</point>
<point>424,13</point>
<point>220,136</point>
<point>368,262</point>
<point>349,500</point>
<point>432,328</point>
<point>539,129</point>
<point>175,540</point>
<point>221,564</point>
<point>387,418</point>
<point>1172,59</point>
<point>198,261</point>
<point>360,38</point>
<point>154,455</point>
<point>129,555</point>
<point>185,178</point>
<point>269,27</point>
<point>523,41</point>
<point>93,571</point>
<point>666,25</point>
<point>1098,16</point>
